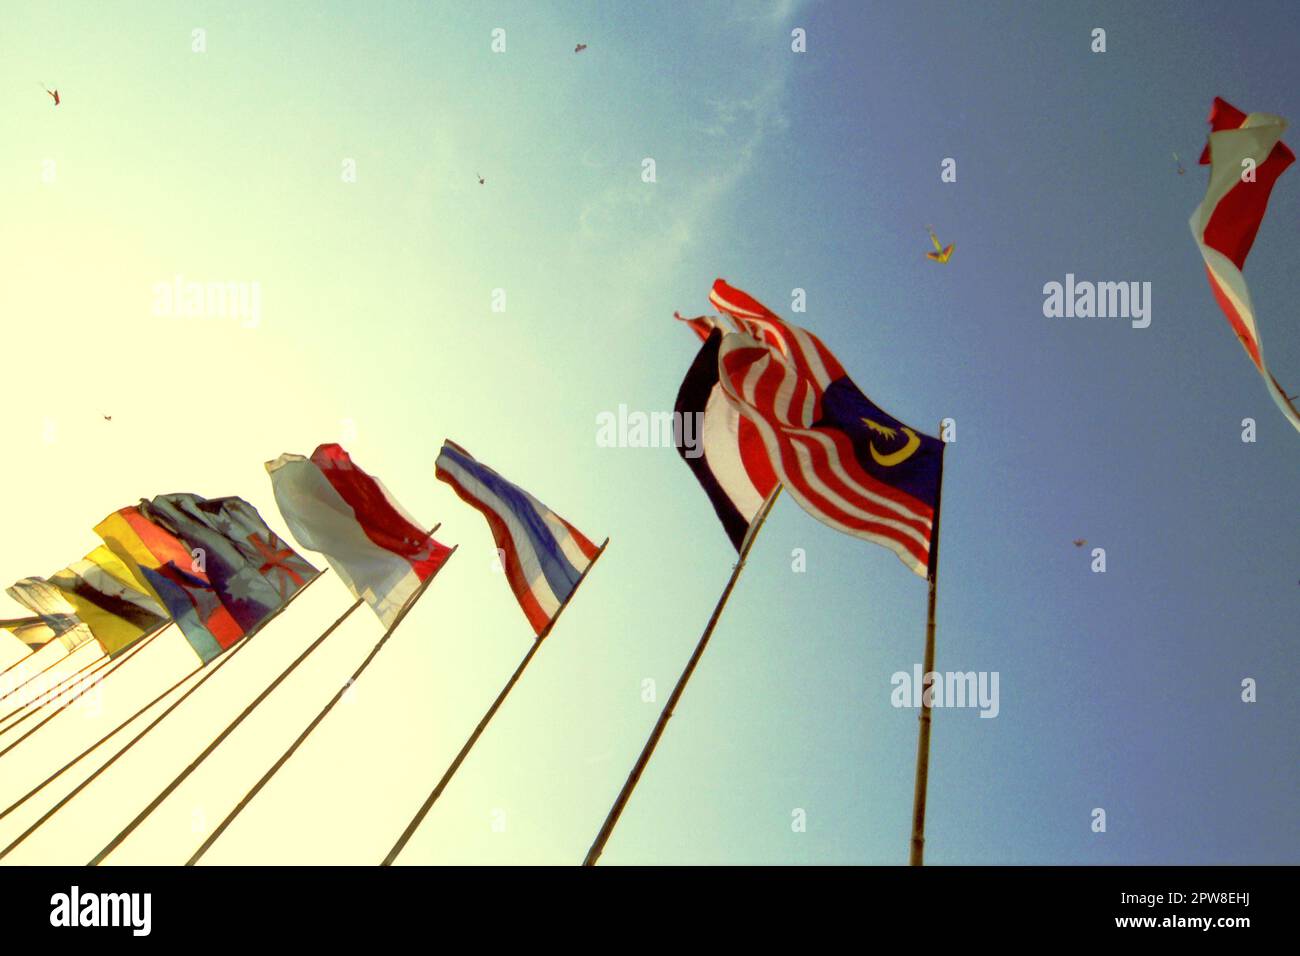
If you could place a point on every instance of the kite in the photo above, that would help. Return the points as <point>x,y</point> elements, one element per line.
<point>940,254</point>
<point>579,48</point>
<point>53,93</point>
<point>481,180</point>
<point>1246,156</point>
<point>1180,164</point>
<point>1080,542</point>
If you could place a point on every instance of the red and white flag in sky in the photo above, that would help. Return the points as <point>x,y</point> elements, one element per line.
<point>1226,221</point>
<point>333,507</point>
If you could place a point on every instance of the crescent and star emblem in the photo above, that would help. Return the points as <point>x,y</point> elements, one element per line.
<point>894,457</point>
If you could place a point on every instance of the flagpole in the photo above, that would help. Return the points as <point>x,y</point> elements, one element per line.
<point>53,663</point>
<point>27,657</point>
<point>90,663</point>
<point>632,778</point>
<point>923,733</point>
<point>138,646</point>
<point>221,737</point>
<point>491,712</point>
<point>209,671</point>
<point>324,712</point>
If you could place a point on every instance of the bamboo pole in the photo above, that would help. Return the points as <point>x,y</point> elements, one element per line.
<point>648,750</point>
<point>923,733</point>
<point>209,671</point>
<point>234,724</point>
<point>482,724</point>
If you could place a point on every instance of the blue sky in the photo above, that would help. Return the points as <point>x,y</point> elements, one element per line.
<point>777,171</point>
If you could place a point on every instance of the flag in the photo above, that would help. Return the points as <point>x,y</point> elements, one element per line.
<point>239,551</point>
<point>36,632</point>
<point>727,457</point>
<point>163,564</point>
<point>1225,223</point>
<point>333,507</point>
<point>544,555</point>
<point>844,459</point>
<point>103,594</point>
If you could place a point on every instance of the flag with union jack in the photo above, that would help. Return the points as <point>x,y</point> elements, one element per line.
<point>252,572</point>
<point>844,459</point>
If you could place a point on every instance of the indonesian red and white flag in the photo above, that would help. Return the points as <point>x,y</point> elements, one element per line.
<point>1246,155</point>
<point>376,548</point>
<point>844,459</point>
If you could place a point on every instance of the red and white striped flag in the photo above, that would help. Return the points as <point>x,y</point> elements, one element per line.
<point>845,460</point>
<point>1226,221</point>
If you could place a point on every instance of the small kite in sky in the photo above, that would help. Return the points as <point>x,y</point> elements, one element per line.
<point>108,418</point>
<point>1180,164</point>
<point>1080,542</point>
<point>53,93</point>
<point>481,180</point>
<point>1246,156</point>
<point>940,254</point>
<point>579,48</point>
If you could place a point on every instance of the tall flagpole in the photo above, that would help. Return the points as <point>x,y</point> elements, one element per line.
<point>108,670</point>
<point>923,734</point>
<point>473,738</point>
<point>53,663</point>
<point>230,728</point>
<point>632,778</point>
<point>324,712</point>
<point>27,657</point>
<point>50,690</point>
<point>208,672</point>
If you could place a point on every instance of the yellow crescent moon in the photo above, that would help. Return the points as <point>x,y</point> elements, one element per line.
<point>897,457</point>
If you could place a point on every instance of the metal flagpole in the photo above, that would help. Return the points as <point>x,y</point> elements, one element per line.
<point>112,665</point>
<point>632,778</point>
<point>231,727</point>
<point>284,757</point>
<point>53,663</point>
<point>208,673</point>
<point>27,657</point>
<point>473,738</point>
<point>52,690</point>
<point>923,734</point>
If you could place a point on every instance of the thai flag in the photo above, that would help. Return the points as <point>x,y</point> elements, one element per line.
<point>845,460</point>
<point>1226,221</point>
<point>544,556</point>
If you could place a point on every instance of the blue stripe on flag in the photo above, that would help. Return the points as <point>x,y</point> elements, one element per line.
<point>560,574</point>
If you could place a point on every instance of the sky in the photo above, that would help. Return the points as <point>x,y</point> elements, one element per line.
<point>779,171</point>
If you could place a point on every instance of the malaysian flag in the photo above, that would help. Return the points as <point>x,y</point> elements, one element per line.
<point>845,460</point>
<point>544,556</point>
<point>1226,221</point>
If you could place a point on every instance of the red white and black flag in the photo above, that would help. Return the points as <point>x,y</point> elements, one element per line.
<point>845,460</point>
<point>723,450</point>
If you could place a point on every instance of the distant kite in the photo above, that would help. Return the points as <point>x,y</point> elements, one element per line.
<point>579,48</point>
<point>481,180</point>
<point>1246,156</point>
<point>108,418</point>
<point>1080,542</point>
<point>940,254</point>
<point>53,93</point>
<point>1180,164</point>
